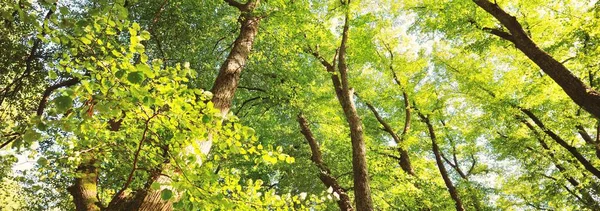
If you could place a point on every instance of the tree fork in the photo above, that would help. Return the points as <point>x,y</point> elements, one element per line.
<point>440,163</point>
<point>325,174</point>
<point>575,88</point>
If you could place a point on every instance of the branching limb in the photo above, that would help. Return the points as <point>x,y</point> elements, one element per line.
<point>49,90</point>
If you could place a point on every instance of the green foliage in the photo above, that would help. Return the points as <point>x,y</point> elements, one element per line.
<point>141,106</point>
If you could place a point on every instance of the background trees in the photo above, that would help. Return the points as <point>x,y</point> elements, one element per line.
<point>108,104</point>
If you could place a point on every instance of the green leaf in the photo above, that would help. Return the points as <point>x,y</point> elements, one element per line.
<point>145,69</point>
<point>42,162</point>
<point>135,26</point>
<point>135,77</point>
<point>31,135</point>
<point>119,73</point>
<point>116,53</point>
<point>206,119</point>
<point>139,48</point>
<point>55,39</point>
<point>64,10</point>
<point>290,159</point>
<point>63,103</point>
<point>52,75</point>
<point>166,194</point>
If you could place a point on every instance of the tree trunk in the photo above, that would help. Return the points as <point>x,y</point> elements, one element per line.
<point>228,78</point>
<point>145,199</point>
<point>84,190</point>
<point>577,90</point>
<point>325,174</point>
<point>344,94</point>
<point>440,163</point>
<point>362,190</point>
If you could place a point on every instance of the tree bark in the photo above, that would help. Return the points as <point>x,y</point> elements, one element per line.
<point>362,189</point>
<point>587,198</point>
<point>227,80</point>
<point>577,90</point>
<point>344,203</point>
<point>344,94</point>
<point>145,199</point>
<point>404,158</point>
<point>84,189</point>
<point>572,150</point>
<point>440,163</point>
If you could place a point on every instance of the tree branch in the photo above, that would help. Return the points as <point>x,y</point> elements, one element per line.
<point>49,90</point>
<point>499,33</point>
<point>572,150</point>
<point>235,4</point>
<point>325,174</point>
<point>120,193</point>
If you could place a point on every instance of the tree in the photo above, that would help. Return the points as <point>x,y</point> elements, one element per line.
<point>229,105</point>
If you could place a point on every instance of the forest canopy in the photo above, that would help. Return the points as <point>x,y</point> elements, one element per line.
<point>299,105</point>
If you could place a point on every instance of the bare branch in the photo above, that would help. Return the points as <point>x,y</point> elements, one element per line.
<point>499,33</point>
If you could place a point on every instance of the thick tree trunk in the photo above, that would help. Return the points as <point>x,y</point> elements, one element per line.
<point>362,189</point>
<point>84,190</point>
<point>577,90</point>
<point>440,163</point>
<point>227,80</point>
<point>145,199</point>
<point>325,174</point>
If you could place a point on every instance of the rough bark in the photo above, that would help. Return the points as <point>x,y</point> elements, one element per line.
<point>404,159</point>
<point>344,203</point>
<point>575,88</point>
<point>362,190</point>
<point>145,199</point>
<point>227,80</point>
<point>440,163</point>
<point>229,74</point>
<point>344,94</point>
<point>84,189</point>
